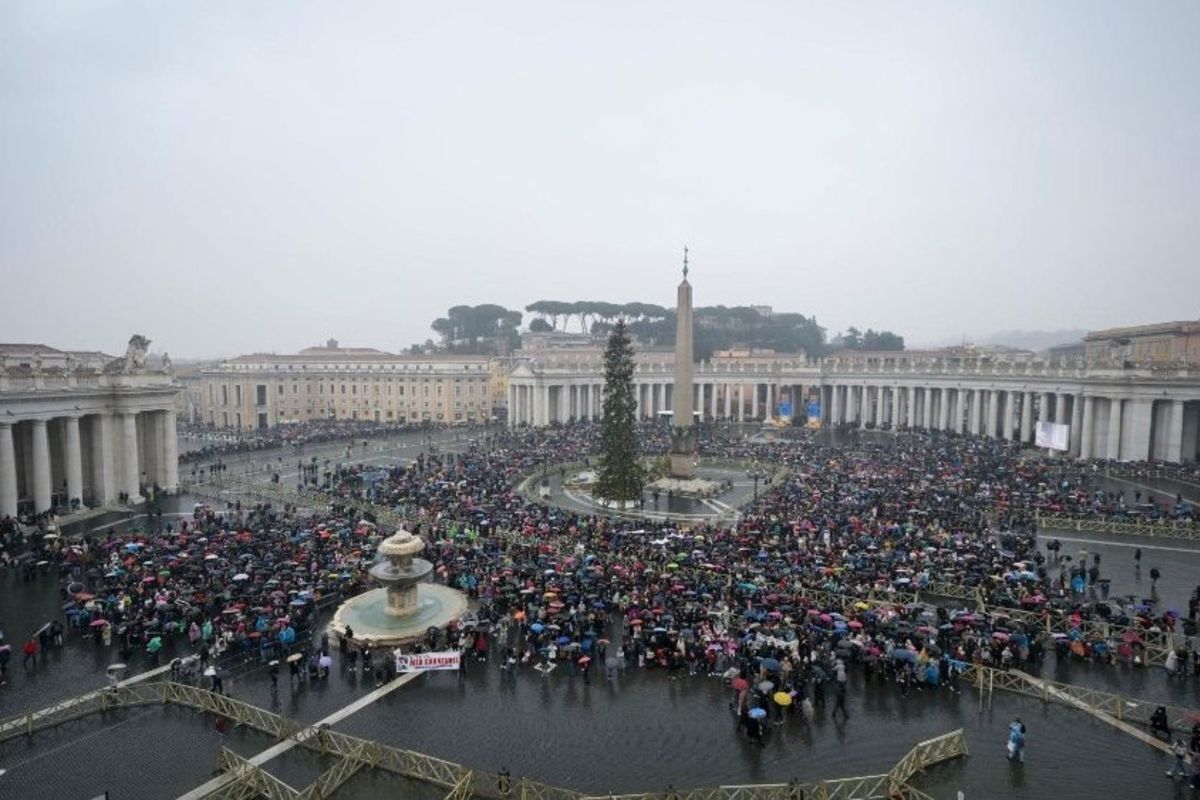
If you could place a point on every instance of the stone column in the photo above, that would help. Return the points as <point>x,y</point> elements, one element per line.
<point>957,410</point>
<point>896,407</point>
<point>993,415</point>
<point>170,451</point>
<point>1140,415</point>
<point>8,471</point>
<point>1027,417</point>
<point>770,412</point>
<point>637,394</point>
<point>101,452</point>
<point>1114,428</point>
<point>1174,452</point>
<point>836,409</point>
<point>1060,408</point>
<point>879,407</point>
<point>712,389</point>
<point>1044,409</point>
<point>741,402</point>
<point>130,478</point>
<point>510,400</point>
<point>41,466</point>
<point>943,410</point>
<point>564,402</point>
<point>1086,435</point>
<point>73,453</point>
<point>927,407</point>
<point>728,401</point>
<point>976,400</point>
<point>1076,426</point>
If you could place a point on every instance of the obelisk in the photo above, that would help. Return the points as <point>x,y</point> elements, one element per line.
<point>683,435</point>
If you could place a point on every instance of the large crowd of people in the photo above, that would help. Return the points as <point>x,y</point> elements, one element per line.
<point>560,589</point>
<point>207,445</point>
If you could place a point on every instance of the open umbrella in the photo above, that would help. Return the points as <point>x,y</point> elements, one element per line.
<point>782,698</point>
<point>740,684</point>
<point>757,713</point>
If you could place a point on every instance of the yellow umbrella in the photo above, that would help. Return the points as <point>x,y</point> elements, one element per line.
<point>861,606</point>
<point>782,698</point>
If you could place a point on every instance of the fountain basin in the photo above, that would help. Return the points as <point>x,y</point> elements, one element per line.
<point>368,616</point>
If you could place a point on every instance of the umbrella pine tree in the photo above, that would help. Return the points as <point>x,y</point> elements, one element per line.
<point>620,476</point>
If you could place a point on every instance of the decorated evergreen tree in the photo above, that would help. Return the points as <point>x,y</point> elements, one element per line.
<point>620,477</point>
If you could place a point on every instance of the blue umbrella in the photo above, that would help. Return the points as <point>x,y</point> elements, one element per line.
<point>758,713</point>
<point>903,654</point>
<point>537,627</point>
<point>560,641</point>
<point>298,602</point>
<point>769,664</point>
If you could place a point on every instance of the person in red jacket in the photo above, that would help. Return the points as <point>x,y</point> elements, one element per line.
<point>31,651</point>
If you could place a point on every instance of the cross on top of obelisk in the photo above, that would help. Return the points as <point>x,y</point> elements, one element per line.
<point>685,267</point>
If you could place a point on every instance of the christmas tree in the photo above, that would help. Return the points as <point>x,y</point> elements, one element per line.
<point>620,477</point>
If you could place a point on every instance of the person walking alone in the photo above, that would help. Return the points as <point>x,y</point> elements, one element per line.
<point>839,702</point>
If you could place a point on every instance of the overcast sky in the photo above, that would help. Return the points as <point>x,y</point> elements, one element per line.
<point>229,177</point>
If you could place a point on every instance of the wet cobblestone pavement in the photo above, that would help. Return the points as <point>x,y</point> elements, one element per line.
<point>641,733</point>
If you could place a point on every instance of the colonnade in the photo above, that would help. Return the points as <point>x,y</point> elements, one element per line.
<point>73,460</point>
<point>543,403</point>
<point>547,401</point>
<point>1128,426</point>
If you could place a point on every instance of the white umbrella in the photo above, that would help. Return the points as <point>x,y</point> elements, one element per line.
<point>241,576</point>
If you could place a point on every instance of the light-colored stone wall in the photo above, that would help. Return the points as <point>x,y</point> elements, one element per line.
<point>263,391</point>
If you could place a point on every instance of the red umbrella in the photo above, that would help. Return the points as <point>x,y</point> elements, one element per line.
<point>740,684</point>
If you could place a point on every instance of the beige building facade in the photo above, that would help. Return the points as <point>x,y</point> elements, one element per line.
<point>1166,343</point>
<point>80,429</point>
<point>331,382</point>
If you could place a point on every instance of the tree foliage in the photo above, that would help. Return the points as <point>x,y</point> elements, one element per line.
<point>486,328</point>
<point>854,339</point>
<point>620,476</point>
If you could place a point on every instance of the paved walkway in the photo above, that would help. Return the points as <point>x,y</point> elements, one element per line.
<point>258,760</point>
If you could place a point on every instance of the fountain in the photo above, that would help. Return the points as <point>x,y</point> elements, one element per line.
<point>406,605</point>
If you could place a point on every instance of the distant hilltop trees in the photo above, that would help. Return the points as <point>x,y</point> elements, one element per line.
<point>493,329</point>
<point>717,327</point>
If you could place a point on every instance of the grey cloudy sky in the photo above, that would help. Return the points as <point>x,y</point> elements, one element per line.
<point>225,177</point>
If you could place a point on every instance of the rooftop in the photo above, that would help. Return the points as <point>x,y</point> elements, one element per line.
<point>1158,328</point>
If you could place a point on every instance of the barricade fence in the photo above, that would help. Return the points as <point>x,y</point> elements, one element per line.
<point>1119,707</point>
<point>1170,529</point>
<point>354,753</point>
